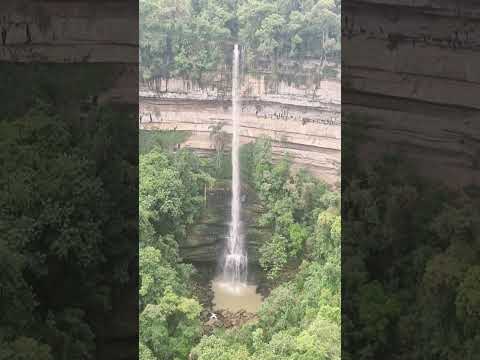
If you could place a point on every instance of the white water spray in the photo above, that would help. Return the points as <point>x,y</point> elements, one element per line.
<point>235,257</point>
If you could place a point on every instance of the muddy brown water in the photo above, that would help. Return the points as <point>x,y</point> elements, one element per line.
<point>242,297</point>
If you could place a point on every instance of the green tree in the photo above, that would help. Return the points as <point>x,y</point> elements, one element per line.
<point>170,326</point>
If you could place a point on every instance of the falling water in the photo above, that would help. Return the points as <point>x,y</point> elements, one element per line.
<point>235,257</point>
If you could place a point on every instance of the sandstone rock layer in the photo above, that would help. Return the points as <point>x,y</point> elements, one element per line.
<point>411,72</point>
<point>302,121</point>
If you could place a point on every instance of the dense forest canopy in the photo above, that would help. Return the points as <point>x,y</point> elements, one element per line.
<point>301,317</point>
<point>187,38</point>
<point>67,239</point>
<point>411,265</point>
<point>410,261</point>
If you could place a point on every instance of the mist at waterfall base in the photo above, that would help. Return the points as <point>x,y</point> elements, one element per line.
<point>231,289</point>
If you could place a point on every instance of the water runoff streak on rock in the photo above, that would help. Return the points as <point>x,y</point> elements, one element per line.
<point>235,257</point>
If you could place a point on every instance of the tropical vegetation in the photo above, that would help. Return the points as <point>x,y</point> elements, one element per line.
<point>301,317</point>
<point>189,38</point>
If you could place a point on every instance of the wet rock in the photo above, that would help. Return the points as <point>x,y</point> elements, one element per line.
<point>206,238</point>
<point>227,319</point>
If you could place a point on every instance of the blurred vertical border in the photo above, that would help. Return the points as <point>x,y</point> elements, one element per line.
<point>410,179</point>
<point>69,179</point>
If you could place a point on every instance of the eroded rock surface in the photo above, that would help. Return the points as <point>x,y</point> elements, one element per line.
<point>410,67</point>
<point>205,241</point>
<point>301,119</point>
<point>69,31</point>
<point>226,319</point>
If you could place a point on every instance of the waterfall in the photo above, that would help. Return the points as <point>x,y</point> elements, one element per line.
<point>235,257</point>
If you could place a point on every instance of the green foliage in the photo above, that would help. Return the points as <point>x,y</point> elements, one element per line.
<point>171,188</point>
<point>300,319</point>
<point>189,38</point>
<point>54,167</point>
<point>301,210</point>
<point>149,139</point>
<point>182,38</point>
<point>157,273</point>
<point>297,235</point>
<point>274,255</point>
<point>468,298</point>
<point>170,326</point>
<point>215,348</point>
<point>70,326</point>
<point>327,235</point>
<point>24,348</point>
<point>144,353</point>
<point>321,340</point>
<point>221,161</point>
<point>414,277</point>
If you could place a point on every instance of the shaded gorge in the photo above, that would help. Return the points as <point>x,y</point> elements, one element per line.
<point>206,242</point>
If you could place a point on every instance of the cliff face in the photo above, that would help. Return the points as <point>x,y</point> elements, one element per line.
<point>410,67</point>
<point>297,109</point>
<point>69,31</point>
<point>75,32</point>
<point>301,117</point>
<point>206,240</point>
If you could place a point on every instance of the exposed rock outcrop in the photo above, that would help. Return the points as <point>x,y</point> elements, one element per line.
<point>75,32</point>
<point>226,319</point>
<point>205,241</point>
<point>301,119</point>
<point>69,31</point>
<point>411,68</point>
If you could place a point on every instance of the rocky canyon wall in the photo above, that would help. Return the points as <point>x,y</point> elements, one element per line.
<point>69,31</point>
<point>410,70</point>
<point>75,32</point>
<point>301,113</point>
<point>302,119</point>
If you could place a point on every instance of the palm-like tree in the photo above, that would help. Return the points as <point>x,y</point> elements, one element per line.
<point>219,138</point>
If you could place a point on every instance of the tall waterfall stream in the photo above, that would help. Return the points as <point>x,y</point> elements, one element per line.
<point>231,289</point>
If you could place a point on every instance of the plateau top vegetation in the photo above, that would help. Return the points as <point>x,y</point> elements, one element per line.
<point>188,38</point>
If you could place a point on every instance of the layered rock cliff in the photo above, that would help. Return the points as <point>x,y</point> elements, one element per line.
<point>206,239</point>
<point>297,109</point>
<point>69,31</point>
<point>301,116</point>
<point>75,32</point>
<point>410,67</point>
